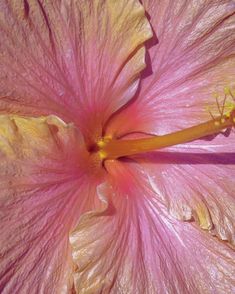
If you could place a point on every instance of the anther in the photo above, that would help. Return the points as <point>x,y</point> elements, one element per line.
<point>112,148</point>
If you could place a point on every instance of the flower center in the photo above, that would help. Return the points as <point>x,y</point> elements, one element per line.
<point>109,148</point>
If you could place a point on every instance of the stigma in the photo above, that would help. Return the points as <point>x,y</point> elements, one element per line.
<point>111,148</point>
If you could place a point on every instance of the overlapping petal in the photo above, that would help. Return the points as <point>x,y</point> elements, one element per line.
<point>43,190</point>
<point>190,59</point>
<point>134,245</point>
<point>79,59</point>
<point>193,58</point>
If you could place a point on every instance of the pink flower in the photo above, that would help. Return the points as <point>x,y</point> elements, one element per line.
<point>83,206</point>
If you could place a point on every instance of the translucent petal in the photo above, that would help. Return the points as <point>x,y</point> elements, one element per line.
<point>191,59</point>
<point>79,59</point>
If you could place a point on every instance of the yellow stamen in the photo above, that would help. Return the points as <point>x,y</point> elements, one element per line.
<point>112,148</point>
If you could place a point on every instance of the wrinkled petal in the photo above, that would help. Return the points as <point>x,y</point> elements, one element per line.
<point>134,246</point>
<point>196,181</point>
<point>191,59</point>
<point>79,59</point>
<point>43,184</point>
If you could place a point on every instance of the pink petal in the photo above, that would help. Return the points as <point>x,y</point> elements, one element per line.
<point>192,58</point>
<point>79,59</point>
<point>43,181</point>
<point>133,246</point>
<point>196,181</point>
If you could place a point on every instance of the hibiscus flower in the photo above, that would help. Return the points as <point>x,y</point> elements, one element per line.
<point>116,178</point>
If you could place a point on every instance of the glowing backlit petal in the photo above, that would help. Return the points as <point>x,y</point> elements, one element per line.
<point>78,59</point>
<point>43,181</point>
<point>191,59</point>
<point>135,246</point>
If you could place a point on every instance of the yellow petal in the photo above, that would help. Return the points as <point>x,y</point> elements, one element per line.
<point>43,165</point>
